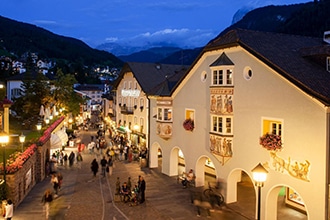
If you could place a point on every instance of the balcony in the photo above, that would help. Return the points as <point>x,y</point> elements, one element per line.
<point>127,110</point>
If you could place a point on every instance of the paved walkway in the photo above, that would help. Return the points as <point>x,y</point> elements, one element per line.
<point>86,197</point>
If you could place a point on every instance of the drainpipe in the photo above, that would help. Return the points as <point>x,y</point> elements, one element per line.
<point>327,200</point>
<point>148,124</point>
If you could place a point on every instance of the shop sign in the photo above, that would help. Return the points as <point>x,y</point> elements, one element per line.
<point>130,92</point>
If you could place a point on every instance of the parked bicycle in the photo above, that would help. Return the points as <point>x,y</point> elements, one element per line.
<point>214,195</point>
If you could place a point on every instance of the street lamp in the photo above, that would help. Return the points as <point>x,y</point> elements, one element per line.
<point>39,126</point>
<point>259,174</point>
<point>47,121</point>
<point>22,140</point>
<point>4,139</point>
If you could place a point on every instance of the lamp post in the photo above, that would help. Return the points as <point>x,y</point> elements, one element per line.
<point>259,174</point>
<point>22,140</point>
<point>4,139</point>
<point>39,127</point>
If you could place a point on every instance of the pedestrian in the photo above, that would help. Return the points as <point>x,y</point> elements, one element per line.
<point>9,210</point>
<point>54,181</point>
<point>71,158</point>
<point>103,163</point>
<point>47,198</point>
<point>60,180</point>
<point>94,167</point>
<point>118,186</point>
<point>79,160</point>
<point>110,165</point>
<point>65,158</point>
<point>142,188</point>
<point>129,183</point>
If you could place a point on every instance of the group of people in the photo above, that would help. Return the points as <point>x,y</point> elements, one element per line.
<point>135,195</point>
<point>105,164</point>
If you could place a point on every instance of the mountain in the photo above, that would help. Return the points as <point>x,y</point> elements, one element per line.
<point>18,38</point>
<point>182,57</point>
<point>153,55</point>
<point>307,19</point>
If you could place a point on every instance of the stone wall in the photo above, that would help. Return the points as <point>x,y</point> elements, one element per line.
<point>33,171</point>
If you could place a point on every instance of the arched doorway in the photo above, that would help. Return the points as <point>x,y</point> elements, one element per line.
<point>176,162</point>
<point>240,193</point>
<point>284,202</point>
<point>205,172</point>
<point>153,155</point>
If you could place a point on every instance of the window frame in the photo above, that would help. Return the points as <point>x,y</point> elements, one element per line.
<point>222,124</point>
<point>222,76</point>
<point>163,112</point>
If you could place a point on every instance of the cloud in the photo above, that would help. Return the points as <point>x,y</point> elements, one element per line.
<point>44,22</point>
<point>111,39</point>
<point>183,37</point>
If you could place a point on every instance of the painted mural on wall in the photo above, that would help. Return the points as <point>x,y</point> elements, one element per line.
<point>222,101</point>
<point>273,144</point>
<point>221,146</point>
<point>164,130</point>
<point>221,104</point>
<point>299,170</point>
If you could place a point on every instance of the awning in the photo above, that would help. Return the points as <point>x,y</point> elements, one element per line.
<point>62,135</point>
<point>58,139</point>
<point>55,142</point>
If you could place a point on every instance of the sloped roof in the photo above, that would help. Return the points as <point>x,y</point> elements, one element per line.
<point>222,60</point>
<point>151,75</point>
<point>287,54</point>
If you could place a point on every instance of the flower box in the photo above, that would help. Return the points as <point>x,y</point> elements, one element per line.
<point>188,124</point>
<point>271,142</point>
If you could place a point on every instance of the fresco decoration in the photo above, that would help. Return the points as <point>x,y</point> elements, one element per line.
<point>221,147</point>
<point>164,130</point>
<point>221,101</point>
<point>299,170</point>
<point>273,143</point>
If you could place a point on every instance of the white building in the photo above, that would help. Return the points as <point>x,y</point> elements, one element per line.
<point>243,85</point>
<point>136,82</point>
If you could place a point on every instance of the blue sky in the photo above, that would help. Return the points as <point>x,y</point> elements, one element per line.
<point>189,23</point>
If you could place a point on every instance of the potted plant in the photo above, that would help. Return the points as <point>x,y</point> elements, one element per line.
<point>188,124</point>
<point>271,142</point>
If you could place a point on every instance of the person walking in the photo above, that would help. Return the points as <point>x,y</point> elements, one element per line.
<point>46,200</point>
<point>142,188</point>
<point>71,158</point>
<point>9,210</point>
<point>55,183</point>
<point>94,167</point>
<point>103,163</point>
<point>110,165</point>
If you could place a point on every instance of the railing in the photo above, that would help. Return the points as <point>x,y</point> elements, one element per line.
<point>127,110</point>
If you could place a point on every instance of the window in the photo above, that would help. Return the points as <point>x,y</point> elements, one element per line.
<point>160,114</point>
<point>135,87</point>
<point>164,114</point>
<point>15,92</point>
<point>222,77</point>
<point>129,85</point>
<point>328,64</point>
<point>218,125</point>
<point>272,126</point>
<point>124,85</point>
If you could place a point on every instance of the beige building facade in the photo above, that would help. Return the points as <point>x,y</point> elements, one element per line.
<point>245,85</point>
